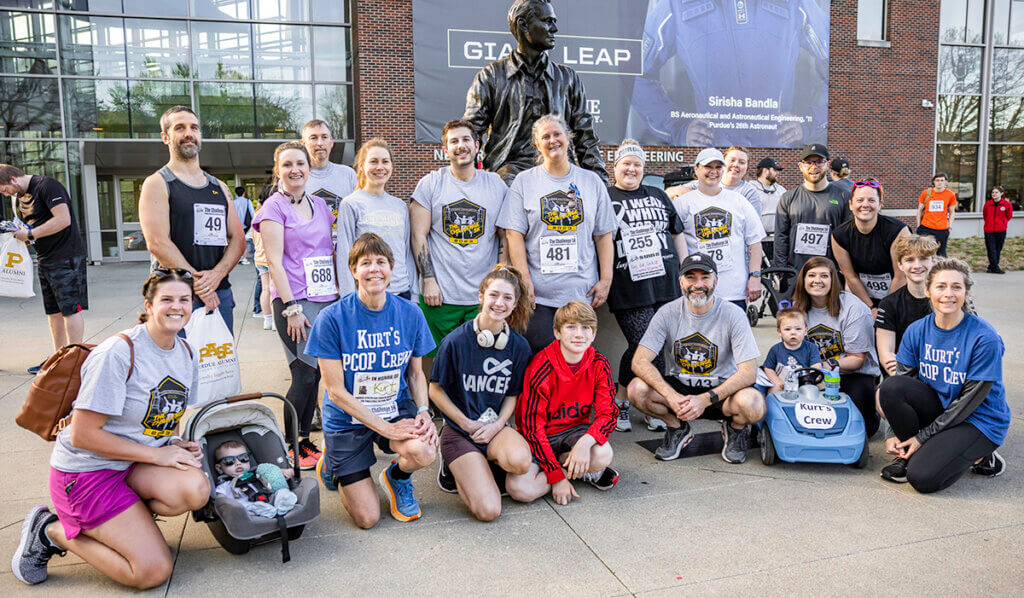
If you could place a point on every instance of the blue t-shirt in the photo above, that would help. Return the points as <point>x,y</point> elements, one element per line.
<point>476,377</point>
<point>780,357</point>
<point>945,359</point>
<point>374,348</point>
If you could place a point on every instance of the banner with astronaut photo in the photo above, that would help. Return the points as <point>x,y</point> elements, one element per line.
<point>683,73</point>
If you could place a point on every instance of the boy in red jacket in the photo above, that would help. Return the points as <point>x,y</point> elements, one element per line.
<point>566,412</point>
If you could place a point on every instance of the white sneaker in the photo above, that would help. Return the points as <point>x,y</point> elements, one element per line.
<point>623,424</point>
<point>654,424</point>
<point>268,323</point>
<point>257,315</point>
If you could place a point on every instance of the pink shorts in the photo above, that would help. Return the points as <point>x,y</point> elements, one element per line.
<point>89,499</point>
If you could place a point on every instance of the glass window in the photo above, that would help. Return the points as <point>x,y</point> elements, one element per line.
<point>282,109</point>
<point>1008,72</point>
<point>220,9</point>
<point>112,6</point>
<point>281,10</point>
<point>871,17</point>
<point>96,108</point>
<point>36,156</point>
<point>281,52</point>
<point>157,48</point>
<point>959,69</point>
<point>29,107</point>
<point>332,59</point>
<point>149,100</point>
<point>957,118</point>
<point>226,110</point>
<point>156,8</point>
<point>92,46</point>
<point>27,43</point>
<point>43,4</point>
<point>960,162</point>
<point>1009,22</point>
<point>330,11</point>
<point>962,21</point>
<point>222,50</point>
<point>334,105</point>
<point>1006,169</point>
<point>1007,119</point>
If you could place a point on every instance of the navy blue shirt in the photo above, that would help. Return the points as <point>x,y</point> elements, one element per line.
<point>476,378</point>
<point>781,357</point>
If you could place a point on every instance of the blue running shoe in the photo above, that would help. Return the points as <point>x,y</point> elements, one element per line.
<point>325,476</point>
<point>400,495</point>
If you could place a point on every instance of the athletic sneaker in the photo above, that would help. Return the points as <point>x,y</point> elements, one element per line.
<point>674,442</point>
<point>257,314</point>
<point>35,369</point>
<point>654,424</point>
<point>603,480</point>
<point>445,479</point>
<point>309,454</point>
<point>991,465</point>
<point>317,425</point>
<point>735,449</point>
<point>896,471</point>
<point>400,495</point>
<point>34,550</point>
<point>268,323</point>
<point>325,476</point>
<point>623,424</point>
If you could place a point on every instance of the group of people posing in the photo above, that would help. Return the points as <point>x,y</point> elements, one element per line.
<point>508,279</point>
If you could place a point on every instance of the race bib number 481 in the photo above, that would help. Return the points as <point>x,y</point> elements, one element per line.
<point>559,255</point>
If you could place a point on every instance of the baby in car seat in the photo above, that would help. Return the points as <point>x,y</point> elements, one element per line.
<point>264,492</point>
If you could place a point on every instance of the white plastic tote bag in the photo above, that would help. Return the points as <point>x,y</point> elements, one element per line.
<point>15,268</point>
<point>219,375</point>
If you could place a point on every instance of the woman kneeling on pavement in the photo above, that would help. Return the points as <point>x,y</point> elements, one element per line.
<point>119,462</point>
<point>476,378</point>
<point>370,346</point>
<point>296,231</point>
<point>946,406</point>
<point>841,326</point>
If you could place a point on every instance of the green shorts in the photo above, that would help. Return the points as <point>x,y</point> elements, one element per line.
<point>445,318</point>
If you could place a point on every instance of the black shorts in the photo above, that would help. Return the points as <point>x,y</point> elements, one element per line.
<point>712,412</point>
<point>63,285</point>
<point>351,451</point>
<point>563,441</point>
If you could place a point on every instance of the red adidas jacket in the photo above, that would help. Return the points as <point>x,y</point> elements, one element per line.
<point>554,400</point>
<point>997,215</point>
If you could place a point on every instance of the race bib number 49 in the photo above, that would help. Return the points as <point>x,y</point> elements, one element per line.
<point>812,239</point>
<point>209,225</point>
<point>559,255</point>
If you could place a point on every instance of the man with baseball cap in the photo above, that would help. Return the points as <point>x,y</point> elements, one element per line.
<point>771,191</point>
<point>722,224</point>
<point>807,215</point>
<point>711,365</point>
<point>840,171</point>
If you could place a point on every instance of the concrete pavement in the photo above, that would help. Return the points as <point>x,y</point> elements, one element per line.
<point>695,525</point>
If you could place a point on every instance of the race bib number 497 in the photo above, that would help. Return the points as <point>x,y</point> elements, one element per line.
<point>812,239</point>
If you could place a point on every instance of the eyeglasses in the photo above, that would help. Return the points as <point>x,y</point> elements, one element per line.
<point>183,273</point>
<point>867,183</point>
<point>818,163</point>
<point>230,459</point>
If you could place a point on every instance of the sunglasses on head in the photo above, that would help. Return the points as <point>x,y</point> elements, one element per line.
<point>230,459</point>
<point>160,270</point>
<point>867,183</point>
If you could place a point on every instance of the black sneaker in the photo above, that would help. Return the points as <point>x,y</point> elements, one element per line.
<point>896,471</point>
<point>674,442</point>
<point>604,480</point>
<point>735,441</point>
<point>35,550</point>
<point>991,465</point>
<point>445,479</point>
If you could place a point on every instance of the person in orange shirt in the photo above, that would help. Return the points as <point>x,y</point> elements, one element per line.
<point>936,211</point>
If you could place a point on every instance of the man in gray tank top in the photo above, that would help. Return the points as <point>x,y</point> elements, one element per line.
<point>187,219</point>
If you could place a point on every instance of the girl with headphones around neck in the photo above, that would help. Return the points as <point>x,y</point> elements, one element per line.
<point>476,378</point>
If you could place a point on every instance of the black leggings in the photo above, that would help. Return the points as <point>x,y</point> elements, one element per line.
<point>861,388</point>
<point>994,248</point>
<point>633,323</point>
<point>305,378</point>
<point>540,331</point>
<point>910,405</point>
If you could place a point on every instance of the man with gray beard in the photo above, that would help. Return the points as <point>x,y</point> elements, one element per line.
<point>187,218</point>
<point>711,365</point>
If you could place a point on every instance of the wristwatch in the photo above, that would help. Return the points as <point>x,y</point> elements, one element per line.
<point>714,396</point>
<point>28,235</point>
<point>754,274</point>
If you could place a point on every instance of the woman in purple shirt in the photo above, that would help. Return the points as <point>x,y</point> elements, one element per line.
<point>296,231</point>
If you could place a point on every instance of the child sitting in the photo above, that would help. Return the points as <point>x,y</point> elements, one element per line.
<point>793,353</point>
<point>266,498</point>
<point>567,411</point>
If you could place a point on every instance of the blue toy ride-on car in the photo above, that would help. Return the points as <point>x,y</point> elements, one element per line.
<point>804,426</point>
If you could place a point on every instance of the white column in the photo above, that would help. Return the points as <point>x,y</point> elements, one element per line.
<point>92,213</point>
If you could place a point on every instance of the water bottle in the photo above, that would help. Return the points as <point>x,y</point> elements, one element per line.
<point>831,381</point>
<point>790,382</point>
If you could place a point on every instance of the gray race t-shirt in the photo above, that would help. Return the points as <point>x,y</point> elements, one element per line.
<point>332,183</point>
<point>463,234</point>
<point>852,331</point>
<point>384,215</point>
<point>559,217</point>
<point>145,410</point>
<point>770,197</point>
<point>701,351</point>
<point>744,188</point>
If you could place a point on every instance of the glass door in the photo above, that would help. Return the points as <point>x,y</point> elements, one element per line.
<point>133,244</point>
<point>109,238</point>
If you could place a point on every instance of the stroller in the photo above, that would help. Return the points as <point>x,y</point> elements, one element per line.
<point>774,298</point>
<point>242,418</point>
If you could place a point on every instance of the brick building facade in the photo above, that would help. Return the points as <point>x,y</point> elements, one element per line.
<point>876,119</point>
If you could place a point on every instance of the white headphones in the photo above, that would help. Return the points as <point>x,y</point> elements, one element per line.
<point>486,338</point>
